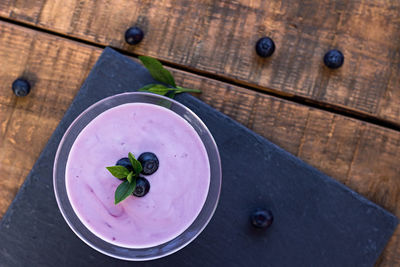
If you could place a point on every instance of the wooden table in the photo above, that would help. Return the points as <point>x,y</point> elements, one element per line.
<point>345,122</point>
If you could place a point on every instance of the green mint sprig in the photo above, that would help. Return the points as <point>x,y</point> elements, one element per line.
<point>127,187</point>
<point>161,74</point>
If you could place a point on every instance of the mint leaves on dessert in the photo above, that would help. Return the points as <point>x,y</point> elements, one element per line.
<point>130,177</point>
<point>124,190</point>
<point>127,187</point>
<point>118,171</point>
<point>129,170</point>
<point>137,166</point>
<point>159,73</point>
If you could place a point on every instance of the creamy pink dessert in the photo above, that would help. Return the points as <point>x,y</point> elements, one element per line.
<point>178,189</point>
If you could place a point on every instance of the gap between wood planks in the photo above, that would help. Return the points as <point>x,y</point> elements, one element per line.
<point>335,109</point>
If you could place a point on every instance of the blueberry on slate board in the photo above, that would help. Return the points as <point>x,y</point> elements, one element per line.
<point>142,187</point>
<point>21,87</point>
<point>125,162</point>
<point>265,47</point>
<point>261,218</point>
<point>334,59</point>
<point>149,162</point>
<point>134,35</point>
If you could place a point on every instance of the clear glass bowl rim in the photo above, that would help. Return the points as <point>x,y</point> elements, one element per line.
<point>171,246</point>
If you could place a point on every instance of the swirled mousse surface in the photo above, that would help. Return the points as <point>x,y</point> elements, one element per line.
<point>178,189</point>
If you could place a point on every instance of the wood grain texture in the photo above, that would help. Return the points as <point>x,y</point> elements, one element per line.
<point>361,155</point>
<point>55,69</point>
<point>218,37</point>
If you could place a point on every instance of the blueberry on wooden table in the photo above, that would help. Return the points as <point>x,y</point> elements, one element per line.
<point>134,35</point>
<point>21,87</point>
<point>333,59</point>
<point>265,47</point>
<point>142,187</point>
<point>261,218</point>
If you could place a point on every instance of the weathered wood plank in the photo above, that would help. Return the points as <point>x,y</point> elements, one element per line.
<point>218,37</point>
<point>358,154</point>
<point>55,69</point>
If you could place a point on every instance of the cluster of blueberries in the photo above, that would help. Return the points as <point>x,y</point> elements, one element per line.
<point>150,165</point>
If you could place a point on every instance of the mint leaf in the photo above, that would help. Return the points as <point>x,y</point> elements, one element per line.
<point>167,91</point>
<point>161,74</point>
<point>118,171</point>
<point>182,89</point>
<point>137,166</point>
<point>157,70</point>
<point>147,87</point>
<point>129,177</point>
<point>156,89</point>
<point>124,190</point>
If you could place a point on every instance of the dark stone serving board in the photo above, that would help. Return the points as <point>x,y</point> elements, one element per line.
<point>318,221</point>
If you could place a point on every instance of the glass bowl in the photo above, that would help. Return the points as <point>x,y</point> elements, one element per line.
<point>136,254</point>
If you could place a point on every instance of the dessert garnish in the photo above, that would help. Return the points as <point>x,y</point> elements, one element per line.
<point>128,170</point>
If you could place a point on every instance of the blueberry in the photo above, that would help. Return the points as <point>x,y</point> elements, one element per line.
<point>149,163</point>
<point>21,87</point>
<point>142,187</point>
<point>261,218</point>
<point>333,59</point>
<point>265,47</point>
<point>133,35</point>
<point>125,162</point>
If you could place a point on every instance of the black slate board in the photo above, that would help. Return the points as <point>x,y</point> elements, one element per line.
<point>318,222</point>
